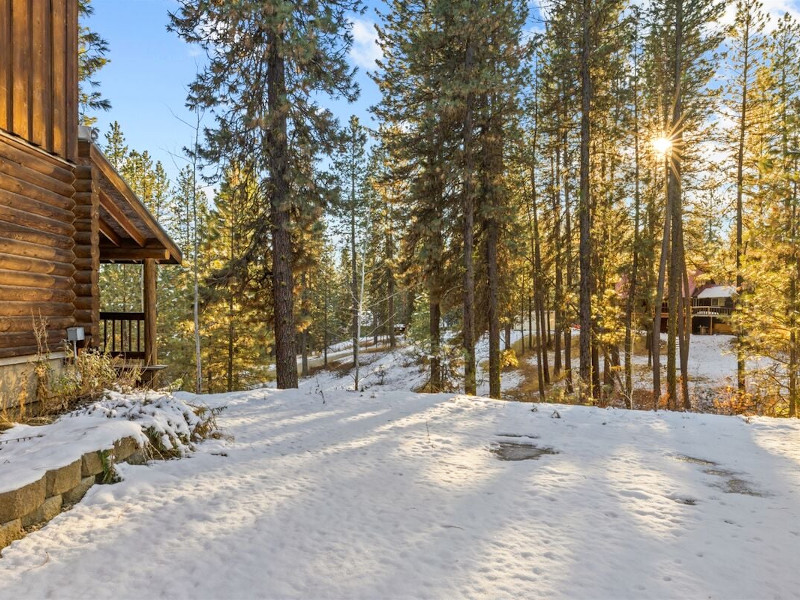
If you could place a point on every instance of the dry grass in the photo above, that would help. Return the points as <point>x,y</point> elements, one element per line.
<point>84,378</point>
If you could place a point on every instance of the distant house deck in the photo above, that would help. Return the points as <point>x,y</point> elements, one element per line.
<point>712,307</point>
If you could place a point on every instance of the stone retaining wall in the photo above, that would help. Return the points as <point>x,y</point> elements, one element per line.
<point>29,507</point>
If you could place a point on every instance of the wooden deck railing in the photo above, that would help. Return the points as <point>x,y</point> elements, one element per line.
<point>711,311</point>
<point>123,334</point>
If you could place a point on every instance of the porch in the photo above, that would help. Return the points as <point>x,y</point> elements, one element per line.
<point>115,227</point>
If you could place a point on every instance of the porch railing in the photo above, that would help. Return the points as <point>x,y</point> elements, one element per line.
<point>711,311</point>
<point>123,334</point>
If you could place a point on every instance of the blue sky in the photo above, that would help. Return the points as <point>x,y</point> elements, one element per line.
<point>150,68</point>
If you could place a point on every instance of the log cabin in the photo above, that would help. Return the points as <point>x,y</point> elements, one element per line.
<point>64,210</point>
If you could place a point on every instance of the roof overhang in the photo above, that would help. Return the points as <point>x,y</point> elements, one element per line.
<point>129,233</point>
<point>717,291</point>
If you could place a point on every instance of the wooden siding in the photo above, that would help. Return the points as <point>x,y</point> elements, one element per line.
<point>37,258</point>
<point>39,73</point>
<point>87,253</point>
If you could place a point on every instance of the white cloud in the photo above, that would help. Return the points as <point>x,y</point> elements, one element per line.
<point>365,50</point>
<point>774,8</point>
<point>777,8</point>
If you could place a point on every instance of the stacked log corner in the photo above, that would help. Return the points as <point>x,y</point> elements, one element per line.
<point>87,249</point>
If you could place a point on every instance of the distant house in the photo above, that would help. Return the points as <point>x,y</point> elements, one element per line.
<point>712,306</point>
<point>64,210</point>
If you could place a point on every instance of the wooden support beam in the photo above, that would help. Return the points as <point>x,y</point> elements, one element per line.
<point>121,218</point>
<point>110,234</point>
<point>125,254</point>
<point>149,297</point>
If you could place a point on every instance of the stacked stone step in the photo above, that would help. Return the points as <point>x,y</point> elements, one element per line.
<point>36,503</point>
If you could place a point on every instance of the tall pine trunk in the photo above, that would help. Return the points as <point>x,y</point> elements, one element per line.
<point>492,235</point>
<point>229,370</point>
<point>674,194</point>
<point>354,275</point>
<point>468,324</point>
<point>282,278</point>
<point>740,358</point>
<point>570,269</point>
<point>434,335</point>
<point>558,289</point>
<point>585,243</point>
<point>655,338</point>
<point>630,304</point>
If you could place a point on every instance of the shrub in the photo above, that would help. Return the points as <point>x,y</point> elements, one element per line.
<point>508,360</point>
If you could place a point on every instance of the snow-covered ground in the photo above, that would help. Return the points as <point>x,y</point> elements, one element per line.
<point>325,493</point>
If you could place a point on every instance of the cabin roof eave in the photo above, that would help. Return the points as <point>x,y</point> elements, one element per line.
<point>133,233</point>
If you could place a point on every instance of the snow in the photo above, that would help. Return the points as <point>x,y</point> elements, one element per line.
<point>718,291</point>
<point>41,449</point>
<point>712,362</point>
<point>27,452</point>
<point>324,493</point>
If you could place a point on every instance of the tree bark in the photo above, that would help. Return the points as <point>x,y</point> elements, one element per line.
<point>494,316</point>
<point>585,243</point>
<point>740,358</point>
<point>435,338</point>
<point>570,271</point>
<point>280,205</point>
<point>630,305</point>
<point>468,324</point>
<point>655,338</point>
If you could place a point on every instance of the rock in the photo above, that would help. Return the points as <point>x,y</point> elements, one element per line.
<point>137,458</point>
<point>63,479</point>
<point>49,509</point>
<point>10,531</point>
<point>124,448</point>
<point>91,464</point>
<point>77,493</point>
<point>20,502</point>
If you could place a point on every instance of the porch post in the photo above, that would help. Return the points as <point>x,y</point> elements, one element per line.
<point>150,343</point>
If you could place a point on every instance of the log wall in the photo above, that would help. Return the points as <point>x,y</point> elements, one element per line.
<point>37,257</point>
<point>87,252</point>
<point>39,73</point>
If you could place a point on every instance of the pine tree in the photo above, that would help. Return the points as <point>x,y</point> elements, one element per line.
<point>352,209</point>
<point>92,56</point>
<point>748,44</point>
<point>267,63</point>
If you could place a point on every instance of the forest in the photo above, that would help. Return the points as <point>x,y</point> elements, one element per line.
<point>571,171</point>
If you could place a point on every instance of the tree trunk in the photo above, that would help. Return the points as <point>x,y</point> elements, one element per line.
<point>494,316</point>
<point>231,329</point>
<point>570,271</point>
<point>585,250</point>
<point>630,305</point>
<point>538,279</point>
<point>282,278</point>
<point>354,322</point>
<point>325,341</point>
<point>674,194</point>
<point>558,299</point>
<point>655,337</point>
<point>468,325</point>
<point>539,356</point>
<point>435,339</point>
<point>740,358</point>
<point>304,332</point>
<point>390,310</point>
